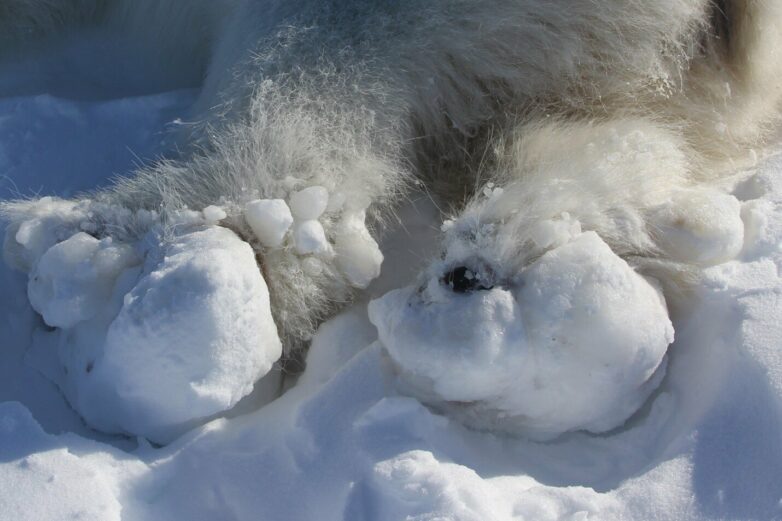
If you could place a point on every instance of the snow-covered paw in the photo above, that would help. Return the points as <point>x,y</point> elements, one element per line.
<point>155,338</point>
<point>576,340</point>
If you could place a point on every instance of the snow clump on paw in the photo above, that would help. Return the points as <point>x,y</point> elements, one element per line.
<point>74,279</point>
<point>213,214</point>
<point>301,225</point>
<point>358,256</point>
<point>269,220</point>
<point>184,337</point>
<point>45,222</point>
<point>701,227</point>
<point>310,238</point>
<point>310,203</point>
<point>576,341</point>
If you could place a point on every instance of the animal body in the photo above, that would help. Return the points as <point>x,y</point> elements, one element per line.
<point>530,121</point>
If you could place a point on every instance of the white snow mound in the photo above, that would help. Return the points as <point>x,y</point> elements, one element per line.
<point>576,341</point>
<point>50,483</point>
<point>74,279</point>
<point>185,339</point>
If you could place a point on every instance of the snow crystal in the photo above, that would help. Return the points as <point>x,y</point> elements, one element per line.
<point>269,219</point>
<point>575,342</point>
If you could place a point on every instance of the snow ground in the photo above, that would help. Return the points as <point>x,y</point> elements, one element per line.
<point>344,443</point>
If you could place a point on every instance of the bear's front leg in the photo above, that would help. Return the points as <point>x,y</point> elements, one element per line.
<point>535,320</point>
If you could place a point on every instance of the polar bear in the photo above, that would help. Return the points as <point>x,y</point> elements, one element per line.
<point>563,136</point>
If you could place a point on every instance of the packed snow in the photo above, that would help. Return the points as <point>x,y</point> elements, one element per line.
<point>310,203</point>
<point>74,279</point>
<point>577,342</point>
<point>358,255</point>
<point>700,226</point>
<point>162,341</point>
<point>152,350</point>
<point>269,219</point>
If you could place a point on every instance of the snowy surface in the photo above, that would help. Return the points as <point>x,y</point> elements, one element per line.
<point>345,443</point>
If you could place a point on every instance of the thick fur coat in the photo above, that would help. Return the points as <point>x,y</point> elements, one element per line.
<point>610,111</point>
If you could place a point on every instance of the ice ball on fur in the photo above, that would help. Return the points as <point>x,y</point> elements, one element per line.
<point>699,226</point>
<point>192,334</point>
<point>310,203</point>
<point>74,279</point>
<point>575,341</point>
<point>358,256</point>
<point>269,220</point>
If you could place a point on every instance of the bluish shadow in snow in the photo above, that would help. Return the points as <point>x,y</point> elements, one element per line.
<point>51,146</point>
<point>738,457</point>
<point>77,109</point>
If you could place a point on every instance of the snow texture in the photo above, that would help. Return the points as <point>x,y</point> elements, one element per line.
<point>577,342</point>
<point>347,442</point>
<point>269,220</point>
<point>153,349</point>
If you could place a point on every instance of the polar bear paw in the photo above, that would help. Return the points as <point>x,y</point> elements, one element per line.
<point>152,337</point>
<point>577,340</point>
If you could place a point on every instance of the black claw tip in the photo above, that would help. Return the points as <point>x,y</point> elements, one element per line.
<point>462,280</point>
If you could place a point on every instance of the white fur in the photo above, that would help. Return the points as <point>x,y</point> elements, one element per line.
<point>599,109</point>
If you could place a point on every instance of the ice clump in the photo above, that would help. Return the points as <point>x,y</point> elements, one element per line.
<point>269,219</point>
<point>213,214</point>
<point>699,226</point>
<point>358,256</point>
<point>310,203</point>
<point>551,233</point>
<point>577,340</point>
<point>49,220</point>
<point>309,237</point>
<point>414,485</point>
<point>74,279</point>
<point>185,338</point>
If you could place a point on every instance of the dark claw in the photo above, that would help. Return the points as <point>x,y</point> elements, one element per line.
<point>462,280</point>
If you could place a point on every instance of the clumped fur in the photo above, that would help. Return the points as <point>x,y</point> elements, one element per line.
<point>367,97</point>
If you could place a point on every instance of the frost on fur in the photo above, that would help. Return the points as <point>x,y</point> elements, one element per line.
<point>551,130</point>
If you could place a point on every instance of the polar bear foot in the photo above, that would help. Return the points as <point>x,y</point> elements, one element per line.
<point>577,340</point>
<point>153,337</point>
<point>166,319</point>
